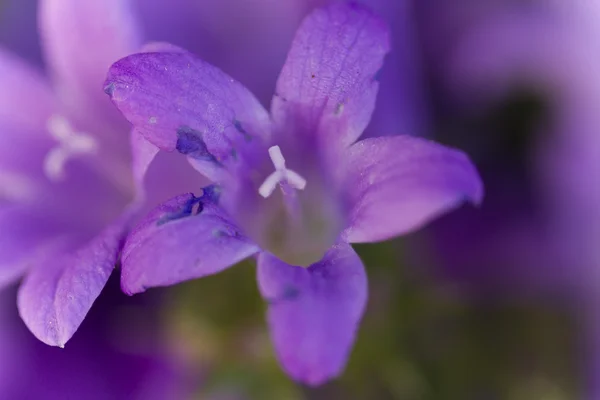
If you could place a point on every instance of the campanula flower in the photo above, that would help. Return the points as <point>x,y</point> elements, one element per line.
<point>293,188</point>
<point>68,190</point>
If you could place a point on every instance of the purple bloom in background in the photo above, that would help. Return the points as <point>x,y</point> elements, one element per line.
<point>537,235</point>
<point>67,187</point>
<point>117,354</point>
<point>293,188</point>
<point>543,207</point>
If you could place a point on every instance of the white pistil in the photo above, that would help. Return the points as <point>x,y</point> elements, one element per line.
<point>281,174</point>
<point>70,143</point>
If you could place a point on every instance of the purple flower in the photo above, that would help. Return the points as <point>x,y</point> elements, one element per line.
<point>67,188</point>
<point>293,188</point>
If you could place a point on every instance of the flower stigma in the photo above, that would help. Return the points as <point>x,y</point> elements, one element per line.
<point>70,143</point>
<point>281,175</point>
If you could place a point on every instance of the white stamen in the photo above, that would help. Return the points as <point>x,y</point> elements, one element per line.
<point>277,158</point>
<point>281,174</point>
<point>269,185</point>
<point>295,180</point>
<point>70,143</point>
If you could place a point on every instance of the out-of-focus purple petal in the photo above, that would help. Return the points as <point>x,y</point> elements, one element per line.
<point>26,105</point>
<point>178,101</point>
<point>27,100</point>
<point>176,242</point>
<point>314,312</point>
<point>524,48</point>
<point>397,184</point>
<point>23,182</point>
<point>59,291</point>
<point>143,154</point>
<point>106,31</point>
<point>18,22</point>
<point>22,153</point>
<point>329,80</point>
<point>160,175</point>
<point>167,166</point>
<point>81,39</point>
<point>27,235</point>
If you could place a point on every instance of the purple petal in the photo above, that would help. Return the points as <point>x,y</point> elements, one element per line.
<point>18,31</point>
<point>178,101</point>
<point>329,80</point>
<point>57,294</point>
<point>508,49</point>
<point>143,155</point>
<point>22,154</point>
<point>159,175</point>
<point>175,243</point>
<point>27,100</point>
<point>24,182</point>
<point>314,312</point>
<point>174,174</point>
<point>25,236</point>
<point>398,184</point>
<point>81,39</point>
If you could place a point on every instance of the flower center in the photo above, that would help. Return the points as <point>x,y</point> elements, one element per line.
<point>70,144</point>
<point>281,175</point>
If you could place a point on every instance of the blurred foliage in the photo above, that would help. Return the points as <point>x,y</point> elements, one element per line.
<point>419,340</point>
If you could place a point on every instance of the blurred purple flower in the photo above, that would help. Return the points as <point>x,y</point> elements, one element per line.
<point>114,356</point>
<point>333,190</point>
<point>67,189</point>
<point>537,235</point>
<point>543,207</point>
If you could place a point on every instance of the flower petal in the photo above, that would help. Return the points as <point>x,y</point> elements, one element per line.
<point>143,153</point>
<point>179,102</point>
<point>57,293</point>
<point>175,243</point>
<point>397,184</point>
<point>26,100</point>
<point>22,154</point>
<point>314,312</point>
<point>25,236</point>
<point>330,75</point>
<point>81,40</point>
<point>159,175</point>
